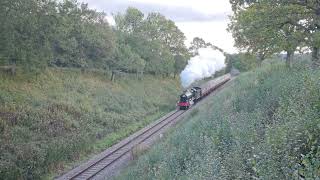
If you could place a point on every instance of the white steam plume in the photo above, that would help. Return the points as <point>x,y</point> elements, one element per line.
<point>204,65</point>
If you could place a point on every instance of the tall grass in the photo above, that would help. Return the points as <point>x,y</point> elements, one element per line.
<point>264,125</point>
<point>61,116</point>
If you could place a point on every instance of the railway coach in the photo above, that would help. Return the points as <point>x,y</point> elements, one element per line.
<point>195,94</point>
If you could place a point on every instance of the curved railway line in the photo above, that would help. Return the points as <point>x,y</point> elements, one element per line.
<point>94,168</point>
<point>108,157</point>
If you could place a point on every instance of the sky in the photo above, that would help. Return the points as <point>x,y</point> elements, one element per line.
<point>207,19</point>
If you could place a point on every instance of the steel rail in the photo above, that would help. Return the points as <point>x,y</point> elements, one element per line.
<point>121,147</point>
<point>157,129</point>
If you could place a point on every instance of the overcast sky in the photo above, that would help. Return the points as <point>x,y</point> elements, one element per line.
<point>207,19</point>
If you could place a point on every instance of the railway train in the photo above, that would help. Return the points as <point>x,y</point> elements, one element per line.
<point>195,94</point>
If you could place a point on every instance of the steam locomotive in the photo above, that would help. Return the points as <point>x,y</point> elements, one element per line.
<point>195,94</point>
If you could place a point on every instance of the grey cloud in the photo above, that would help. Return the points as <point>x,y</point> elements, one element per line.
<point>177,14</point>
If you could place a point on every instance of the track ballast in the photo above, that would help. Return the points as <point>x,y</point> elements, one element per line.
<point>107,158</point>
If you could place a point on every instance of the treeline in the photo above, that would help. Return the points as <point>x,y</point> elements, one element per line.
<point>266,27</point>
<point>151,43</point>
<point>37,34</point>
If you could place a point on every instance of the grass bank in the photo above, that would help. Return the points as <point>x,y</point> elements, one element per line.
<point>264,125</point>
<point>61,116</point>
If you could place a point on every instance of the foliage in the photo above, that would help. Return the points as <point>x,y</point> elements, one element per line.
<point>67,34</point>
<point>24,39</point>
<point>265,27</point>
<point>35,35</point>
<point>129,22</point>
<point>155,39</point>
<point>179,64</point>
<point>158,27</point>
<point>244,61</point>
<point>196,44</point>
<point>61,116</point>
<point>263,125</point>
<point>128,61</point>
<point>83,37</point>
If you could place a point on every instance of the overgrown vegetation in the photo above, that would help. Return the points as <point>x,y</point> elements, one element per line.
<point>263,125</point>
<point>60,116</point>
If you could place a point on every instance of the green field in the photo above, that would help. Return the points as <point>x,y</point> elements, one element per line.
<point>264,125</point>
<point>60,116</point>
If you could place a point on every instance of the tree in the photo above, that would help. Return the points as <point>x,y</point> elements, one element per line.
<point>243,61</point>
<point>155,39</point>
<point>130,21</point>
<point>95,40</point>
<point>83,37</point>
<point>196,44</point>
<point>159,60</point>
<point>157,27</point>
<point>25,33</point>
<point>302,16</point>
<point>263,29</point>
<point>246,28</point>
<point>35,34</point>
<point>179,64</point>
<point>309,22</point>
<point>128,61</point>
<point>98,40</point>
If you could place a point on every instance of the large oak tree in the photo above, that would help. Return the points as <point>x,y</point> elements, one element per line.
<point>293,24</point>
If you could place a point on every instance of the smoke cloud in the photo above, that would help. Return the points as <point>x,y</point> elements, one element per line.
<point>204,65</point>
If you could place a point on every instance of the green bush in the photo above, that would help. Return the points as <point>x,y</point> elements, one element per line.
<point>263,125</point>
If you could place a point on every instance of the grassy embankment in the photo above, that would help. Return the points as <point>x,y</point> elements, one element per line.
<point>264,125</point>
<point>62,116</point>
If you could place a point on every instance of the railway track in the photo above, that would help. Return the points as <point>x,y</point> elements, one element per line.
<point>122,151</point>
<point>107,158</point>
